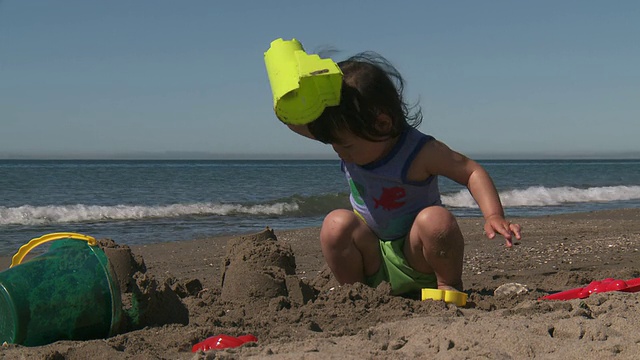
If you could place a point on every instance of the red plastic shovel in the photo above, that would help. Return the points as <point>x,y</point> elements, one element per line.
<point>608,284</point>
<point>218,342</point>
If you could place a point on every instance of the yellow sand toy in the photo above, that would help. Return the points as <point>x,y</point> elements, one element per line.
<point>449,296</point>
<point>302,84</point>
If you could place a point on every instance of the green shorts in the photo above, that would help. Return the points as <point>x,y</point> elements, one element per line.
<point>396,271</point>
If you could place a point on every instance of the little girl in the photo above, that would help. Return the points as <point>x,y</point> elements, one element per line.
<point>398,231</point>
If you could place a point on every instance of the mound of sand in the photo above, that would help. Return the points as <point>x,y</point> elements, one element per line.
<point>278,289</point>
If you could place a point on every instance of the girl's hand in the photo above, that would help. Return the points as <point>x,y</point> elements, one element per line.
<point>498,224</point>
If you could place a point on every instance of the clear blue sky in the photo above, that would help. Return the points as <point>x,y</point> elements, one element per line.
<point>186,78</point>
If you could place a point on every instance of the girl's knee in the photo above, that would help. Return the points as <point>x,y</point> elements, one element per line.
<point>436,222</point>
<point>337,225</point>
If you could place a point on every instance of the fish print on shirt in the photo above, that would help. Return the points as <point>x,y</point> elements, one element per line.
<point>389,200</point>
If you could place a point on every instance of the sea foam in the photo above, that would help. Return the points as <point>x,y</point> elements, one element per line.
<point>543,196</point>
<point>297,206</point>
<point>51,214</point>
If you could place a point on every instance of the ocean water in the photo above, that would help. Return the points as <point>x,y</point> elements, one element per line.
<point>138,202</point>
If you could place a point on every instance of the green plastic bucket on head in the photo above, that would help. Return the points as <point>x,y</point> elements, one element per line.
<point>67,293</point>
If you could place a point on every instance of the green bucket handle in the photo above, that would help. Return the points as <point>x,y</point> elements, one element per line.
<point>24,249</point>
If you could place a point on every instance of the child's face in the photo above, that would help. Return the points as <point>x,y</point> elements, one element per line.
<point>357,150</point>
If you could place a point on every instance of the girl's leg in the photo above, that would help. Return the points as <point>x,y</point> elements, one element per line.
<point>436,246</point>
<point>349,247</point>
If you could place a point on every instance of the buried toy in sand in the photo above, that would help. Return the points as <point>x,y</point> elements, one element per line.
<point>80,289</point>
<point>69,292</point>
<point>606,285</point>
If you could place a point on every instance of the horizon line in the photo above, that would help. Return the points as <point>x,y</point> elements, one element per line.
<point>186,156</point>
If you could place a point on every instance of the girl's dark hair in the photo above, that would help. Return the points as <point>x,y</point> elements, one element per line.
<point>370,86</point>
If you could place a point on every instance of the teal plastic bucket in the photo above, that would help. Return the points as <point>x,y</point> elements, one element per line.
<point>67,293</point>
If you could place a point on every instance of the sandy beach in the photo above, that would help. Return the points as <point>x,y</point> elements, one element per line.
<point>274,285</point>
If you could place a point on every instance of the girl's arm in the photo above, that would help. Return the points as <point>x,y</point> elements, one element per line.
<point>441,160</point>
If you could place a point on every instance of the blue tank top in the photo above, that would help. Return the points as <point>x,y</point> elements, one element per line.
<point>381,194</point>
